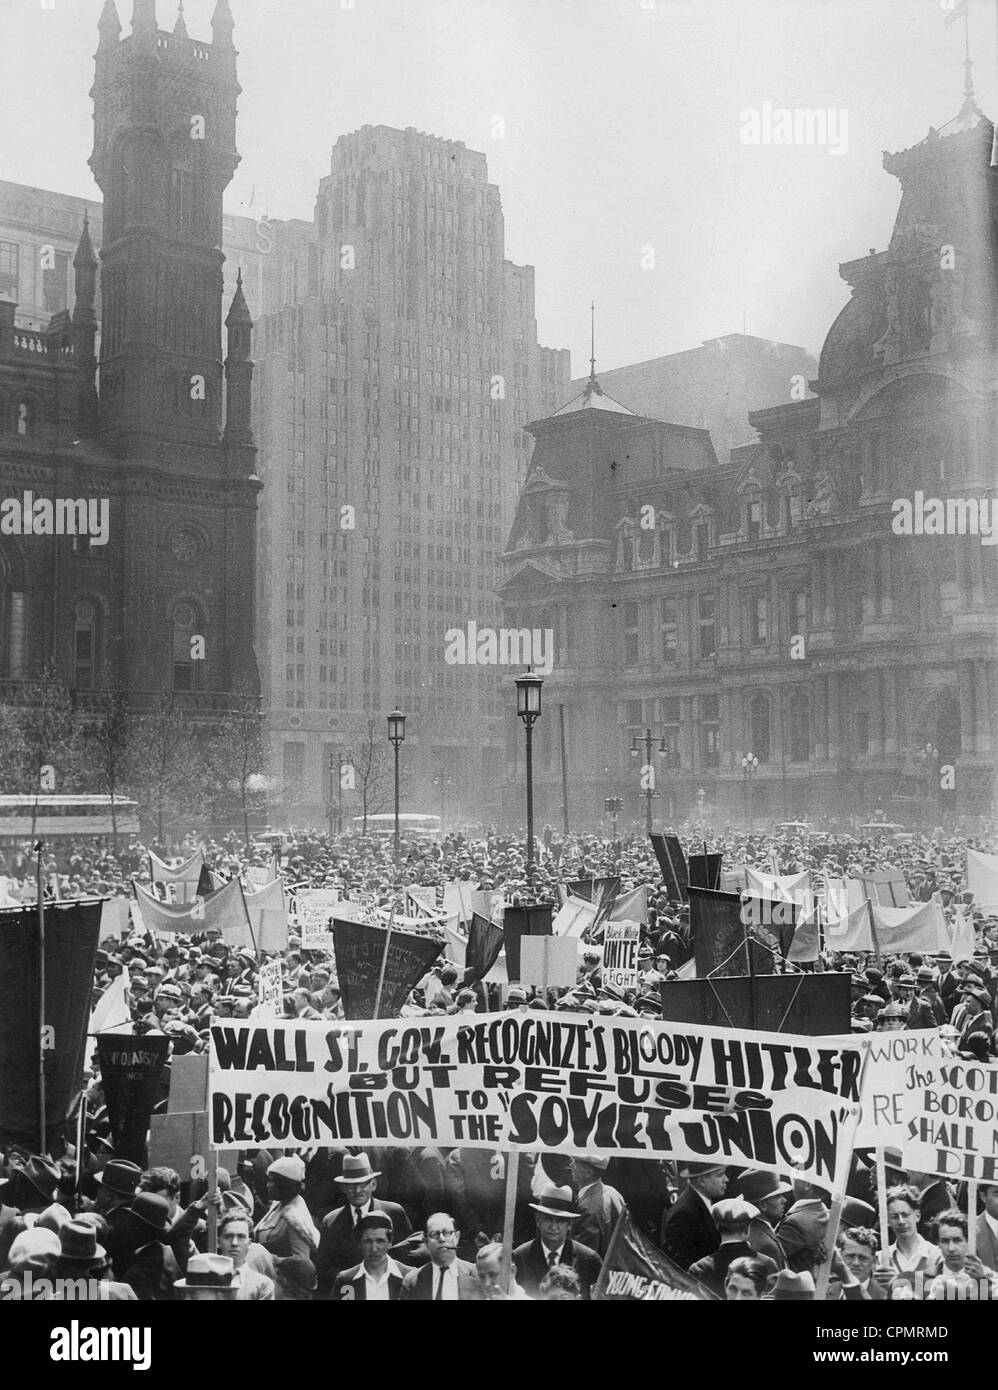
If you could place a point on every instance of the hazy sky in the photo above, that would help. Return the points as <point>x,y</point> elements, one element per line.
<point>621,124</point>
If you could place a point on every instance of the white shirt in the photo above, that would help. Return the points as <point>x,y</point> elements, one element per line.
<point>553,1258</point>
<point>923,1251</point>
<point>376,1286</point>
<point>450,1293</point>
<point>358,1212</point>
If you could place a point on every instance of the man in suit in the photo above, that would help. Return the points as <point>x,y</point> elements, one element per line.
<point>987,1227</point>
<point>802,1230</point>
<point>446,1279</point>
<point>555,1214</point>
<point>601,1205</point>
<point>732,1219</point>
<point>339,1238</point>
<point>688,1228</point>
<point>377,1279</point>
<point>768,1194</point>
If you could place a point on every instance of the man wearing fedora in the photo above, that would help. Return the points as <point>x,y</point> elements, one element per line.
<point>600,1204</point>
<point>209,1279</point>
<point>377,1278</point>
<point>445,1279</point>
<point>153,1267</point>
<point>339,1238</point>
<point>30,1188</point>
<point>555,1214</point>
<point>81,1257</point>
<point>768,1194</point>
<point>689,1231</point>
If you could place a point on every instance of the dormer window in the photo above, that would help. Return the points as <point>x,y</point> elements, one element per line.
<point>754,518</point>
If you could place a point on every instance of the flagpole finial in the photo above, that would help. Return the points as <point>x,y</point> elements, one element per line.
<point>592,340</point>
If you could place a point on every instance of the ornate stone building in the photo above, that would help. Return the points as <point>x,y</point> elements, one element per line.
<point>764,606</point>
<point>165,439</point>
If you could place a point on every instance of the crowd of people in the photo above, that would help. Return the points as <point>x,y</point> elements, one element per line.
<point>397,1224</point>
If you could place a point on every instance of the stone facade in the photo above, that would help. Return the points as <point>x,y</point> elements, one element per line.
<point>765,605</point>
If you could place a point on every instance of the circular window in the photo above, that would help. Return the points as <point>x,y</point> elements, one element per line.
<point>185,545</point>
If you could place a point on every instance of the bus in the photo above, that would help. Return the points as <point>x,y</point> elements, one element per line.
<point>382,827</point>
<point>60,818</point>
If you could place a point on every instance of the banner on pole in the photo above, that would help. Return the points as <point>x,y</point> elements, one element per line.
<point>131,1071</point>
<point>634,1271</point>
<point>571,1084</point>
<point>894,1063</point>
<point>360,950</point>
<point>672,865</point>
<point>951,1117</point>
<point>270,988</point>
<point>620,955</point>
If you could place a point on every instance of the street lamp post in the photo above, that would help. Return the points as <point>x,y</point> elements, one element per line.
<point>701,798</point>
<point>528,707</point>
<point>749,765</point>
<point>396,737</point>
<point>649,791</point>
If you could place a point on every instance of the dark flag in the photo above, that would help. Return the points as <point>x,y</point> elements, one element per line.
<point>206,883</point>
<point>672,865</point>
<point>518,922</point>
<point>719,921</point>
<point>71,933</point>
<point>595,890</point>
<point>131,1069</point>
<point>635,1271</point>
<point>482,952</point>
<point>705,871</point>
<point>360,949</point>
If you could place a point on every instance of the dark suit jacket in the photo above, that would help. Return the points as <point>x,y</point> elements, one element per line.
<point>802,1235</point>
<point>338,1247</point>
<point>712,1270</point>
<point>688,1229</point>
<point>350,1285</point>
<point>935,1200</point>
<point>987,1245</point>
<point>764,1241</point>
<point>418,1284</point>
<point>532,1265</point>
<point>152,1273</point>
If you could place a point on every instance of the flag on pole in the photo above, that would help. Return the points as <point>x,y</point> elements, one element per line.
<point>111,1010</point>
<point>958,12</point>
<point>635,1271</point>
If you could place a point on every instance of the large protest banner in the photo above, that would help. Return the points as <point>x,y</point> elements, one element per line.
<point>71,932</point>
<point>894,1061</point>
<point>951,1118</point>
<point>620,955</point>
<point>571,1084</point>
<point>982,879</point>
<point>131,1071</point>
<point>704,870</point>
<point>360,953</point>
<point>813,1004</point>
<point>719,922</point>
<point>634,1271</point>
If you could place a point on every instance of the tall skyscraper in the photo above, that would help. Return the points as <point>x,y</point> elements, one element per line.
<point>389,417</point>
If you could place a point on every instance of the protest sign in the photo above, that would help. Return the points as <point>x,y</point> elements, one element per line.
<point>672,865</point>
<point>131,1069</point>
<point>812,1004</point>
<point>270,988</point>
<point>363,963</point>
<point>549,962</point>
<point>571,1084</point>
<point>634,1271</point>
<point>982,879</point>
<point>620,955</point>
<point>519,922</point>
<point>315,909</point>
<point>951,1119</point>
<point>704,870</point>
<point>894,1059</point>
<point>574,917</point>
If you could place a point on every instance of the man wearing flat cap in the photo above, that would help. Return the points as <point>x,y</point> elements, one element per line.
<point>732,1217</point>
<point>339,1237</point>
<point>556,1215</point>
<point>377,1278</point>
<point>689,1231</point>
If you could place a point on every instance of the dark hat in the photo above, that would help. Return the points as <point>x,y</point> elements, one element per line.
<point>297,1272</point>
<point>857,1213</point>
<point>152,1209</point>
<point>556,1201</point>
<point>120,1176</point>
<point>78,1242</point>
<point>41,1173</point>
<point>791,1287</point>
<point>701,1170</point>
<point>759,1186</point>
<point>925,975</point>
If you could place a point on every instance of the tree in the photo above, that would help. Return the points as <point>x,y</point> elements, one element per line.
<point>162,765</point>
<point>109,741</point>
<point>235,758</point>
<point>42,738</point>
<point>371,768</point>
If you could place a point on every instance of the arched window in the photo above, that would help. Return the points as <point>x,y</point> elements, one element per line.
<point>800,728</point>
<point>186,624</point>
<point>85,647</point>
<point>759,720</point>
<point>26,416</point>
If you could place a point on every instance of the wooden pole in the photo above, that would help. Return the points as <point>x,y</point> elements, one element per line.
<point>81,1139</point>
<point>882,1203</point>
<point>972,1217</point>
<point>42,1127</point>
<point>212,1212</point>
<point>824,1273</point>
<point>564,772</point>
<point>384,962</point>
<point>509,1217</point>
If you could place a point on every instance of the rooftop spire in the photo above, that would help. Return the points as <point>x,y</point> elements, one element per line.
<point>239,310</point>
<point>85,254</point>
<point>144,18</point>
<point>109,24</point>
<point>222,22</point>
<point>180,28</point>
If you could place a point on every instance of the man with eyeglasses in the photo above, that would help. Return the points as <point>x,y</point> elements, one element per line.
<point>446,1279</point>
